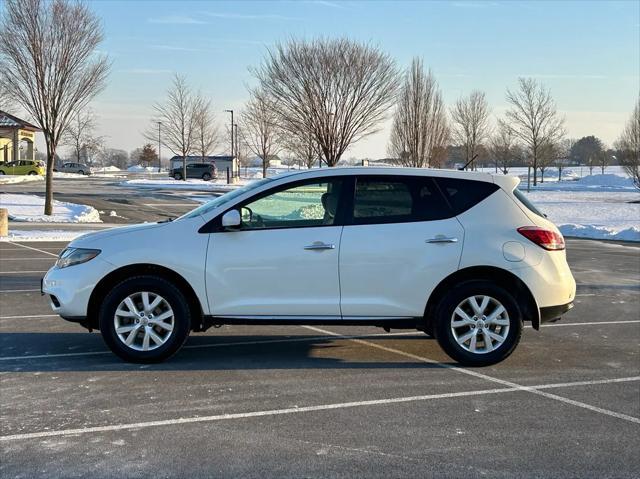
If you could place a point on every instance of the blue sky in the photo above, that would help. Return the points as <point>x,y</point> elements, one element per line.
<point>587,52</point>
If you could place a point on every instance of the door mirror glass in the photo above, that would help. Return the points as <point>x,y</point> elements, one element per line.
<point>231,219</point>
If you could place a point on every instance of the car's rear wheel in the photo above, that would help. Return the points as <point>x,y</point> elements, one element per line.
<point>33,173</point>
<point>478,323</point>
<point>80,172</point>
<point>1,172</point>
<point>206,176</point>
<point>145,319</point>
<point>177,176</point>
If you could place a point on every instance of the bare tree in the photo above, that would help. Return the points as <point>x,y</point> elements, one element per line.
<point>80,136</point>
<point>629,146</point>
<point>533,118</point>
<point>503,147</point>
<point>419,132</point>
<point>303,149</point>
<point>178,118</point>
<point>470,119</point>
<point>49,66</point>
<point>260,127</point>
<point>335,90</point>
<point>206,132</point>
<point>548,154</point>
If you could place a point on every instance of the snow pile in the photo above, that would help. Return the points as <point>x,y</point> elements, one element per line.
<point>62,174</point>
<point>106,169</point>
<point>13,179</point>
<point>31,207</point>
<point>142,169</point>
<point>42,235</point>
<point>592,214</point>
<point>171,184</point>
<point>601,232</point>
<point>606,181</point>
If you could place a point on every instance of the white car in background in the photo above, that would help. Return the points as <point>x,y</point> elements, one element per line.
<point>462,256</point>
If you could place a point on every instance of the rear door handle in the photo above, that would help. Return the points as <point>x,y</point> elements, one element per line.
<point>318,245</point>
<point>441,239</point>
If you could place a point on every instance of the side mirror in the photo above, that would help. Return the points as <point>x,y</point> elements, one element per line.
<point>231,219</point>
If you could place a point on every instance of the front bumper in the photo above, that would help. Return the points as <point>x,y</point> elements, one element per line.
<point>69,289</point>
<point>551,314</point>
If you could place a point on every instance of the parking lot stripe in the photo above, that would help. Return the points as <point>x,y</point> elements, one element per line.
<point>20,272</point>
<point>484,376</point>
<point>20,291</point>
<point>36,249</point>
<point>27,259</point>
<point>31,316</point>
<point>297,410</point>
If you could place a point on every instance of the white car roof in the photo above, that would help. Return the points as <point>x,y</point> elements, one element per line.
<point>504,181</point>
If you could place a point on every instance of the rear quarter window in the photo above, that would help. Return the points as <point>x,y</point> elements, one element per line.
<point>465,194</point>
<point>522,198</point>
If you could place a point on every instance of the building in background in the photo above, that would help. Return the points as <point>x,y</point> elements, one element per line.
<point>16,138</point>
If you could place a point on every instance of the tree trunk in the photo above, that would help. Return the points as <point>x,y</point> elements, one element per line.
<point>48,195</point>
<point>184,167</point>
<point>264,166</point>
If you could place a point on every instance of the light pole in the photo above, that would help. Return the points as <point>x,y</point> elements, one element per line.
<point>231,111</point>
<point>237,150</point>
<point>159,161</point>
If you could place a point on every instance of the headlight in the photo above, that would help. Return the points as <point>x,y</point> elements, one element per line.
<point>71,256</point>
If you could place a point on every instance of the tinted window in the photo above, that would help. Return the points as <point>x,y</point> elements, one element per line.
<point>397,200</point>
<point>525,201</point>
<point>464,194</point>
<point>308,204</point>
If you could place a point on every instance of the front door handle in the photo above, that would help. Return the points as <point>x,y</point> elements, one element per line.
<point>441,239</point>
<point>318,245</point>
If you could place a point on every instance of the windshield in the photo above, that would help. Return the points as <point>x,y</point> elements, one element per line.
<point>225,198</point>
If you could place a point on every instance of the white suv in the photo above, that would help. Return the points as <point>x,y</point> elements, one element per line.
<point>462,256</point>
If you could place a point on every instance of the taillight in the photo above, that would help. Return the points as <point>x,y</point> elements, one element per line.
<point>547,239</point>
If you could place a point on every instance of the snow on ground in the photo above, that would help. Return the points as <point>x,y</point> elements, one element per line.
<point>105,169</point>
<point>144,169</point>
<point>171,184</point>
<point>590,214</point>
<point>41,235</point>
<point>30,208</point>
<point>13,179</point>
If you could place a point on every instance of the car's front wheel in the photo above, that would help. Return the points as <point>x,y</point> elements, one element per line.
<point>177,176</point>
<point>33,173</point>
<point>478,323</point>
<point>145,319</point>
<point>206,177</point>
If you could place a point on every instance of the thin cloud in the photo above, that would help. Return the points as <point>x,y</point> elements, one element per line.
<point>565,76</point>
<point>177,20</point>
<point>327,3</point>
<point>146,71</point>
<point>175,48</point>
<point>243,16</point>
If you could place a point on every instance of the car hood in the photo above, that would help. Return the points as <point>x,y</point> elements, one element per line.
<point>93,239</point>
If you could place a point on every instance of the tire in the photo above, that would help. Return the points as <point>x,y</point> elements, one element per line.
<point>31,173</point>
<point>470,352</point>
<point>172,306</point>
<point>80,172</point>
<point>1,172</point>
<point>177,176</point>
<point>206,177</point>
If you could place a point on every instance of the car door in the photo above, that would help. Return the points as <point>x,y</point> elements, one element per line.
<point>282,261</point>
<point>399,242</point>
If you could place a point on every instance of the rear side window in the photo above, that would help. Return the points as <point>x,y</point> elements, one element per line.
<point>522,198</point>
<point>465,194</point>
<point>397,200</point>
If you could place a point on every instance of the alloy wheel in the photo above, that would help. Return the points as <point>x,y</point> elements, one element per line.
<point>144,321</point>
<point>480,324</point>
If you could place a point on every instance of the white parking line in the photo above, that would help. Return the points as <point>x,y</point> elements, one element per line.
<point>36,249</point>
<point>20,291</point>
<point>297,410</point>
<point>31,316</point>
<point>20,272</point>
<point>476,374</point>
<point>26,259</point>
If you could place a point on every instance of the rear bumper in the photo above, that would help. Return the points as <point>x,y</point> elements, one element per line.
<point>550,314</point>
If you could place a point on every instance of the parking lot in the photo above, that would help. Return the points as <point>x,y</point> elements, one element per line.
<point>293,401</point>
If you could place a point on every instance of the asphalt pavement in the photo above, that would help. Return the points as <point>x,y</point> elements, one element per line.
<point>293,401</point>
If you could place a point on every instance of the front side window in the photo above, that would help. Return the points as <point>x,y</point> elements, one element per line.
<point>397,200</point>
<point>309,204</point>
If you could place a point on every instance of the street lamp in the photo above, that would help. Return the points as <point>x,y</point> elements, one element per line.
<point>231,111</point>
<point>159,161</point>
<point>235,125</point>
